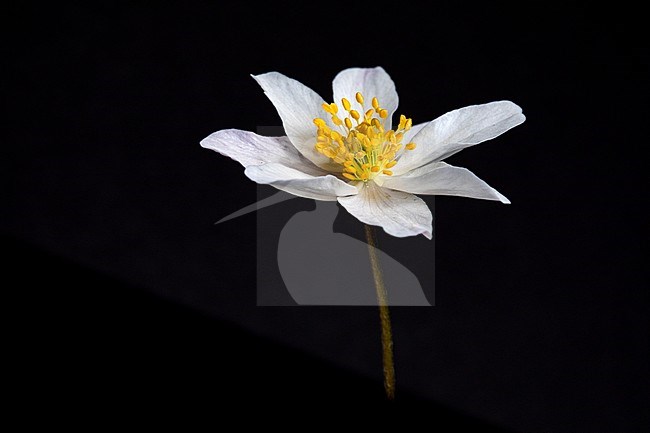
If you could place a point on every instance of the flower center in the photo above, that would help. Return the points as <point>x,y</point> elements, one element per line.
<point>360,142</point>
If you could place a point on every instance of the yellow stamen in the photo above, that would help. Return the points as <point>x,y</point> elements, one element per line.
<point>365,150</point>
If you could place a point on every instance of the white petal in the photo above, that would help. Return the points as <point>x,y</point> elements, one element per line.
<point>248,148</point>
<point>370,82</point>
<point>298,183</point>
<point>297,106</point>
<point>439,178</point>
<point>408,135</point>
<point>457,130</point>
<point>398,213</point>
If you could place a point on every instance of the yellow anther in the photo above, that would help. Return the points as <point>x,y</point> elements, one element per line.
<point>391,164</point>
<point>365,149</point>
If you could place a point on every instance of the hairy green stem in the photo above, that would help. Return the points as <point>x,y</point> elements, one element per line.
<point>384,315</point>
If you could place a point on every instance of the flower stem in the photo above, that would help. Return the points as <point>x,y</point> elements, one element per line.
<point>384,314</point>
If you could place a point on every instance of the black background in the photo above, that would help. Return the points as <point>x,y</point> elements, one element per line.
<point>122,297</point>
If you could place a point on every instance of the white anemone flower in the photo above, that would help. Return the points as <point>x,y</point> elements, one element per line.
<point>350,151</point>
